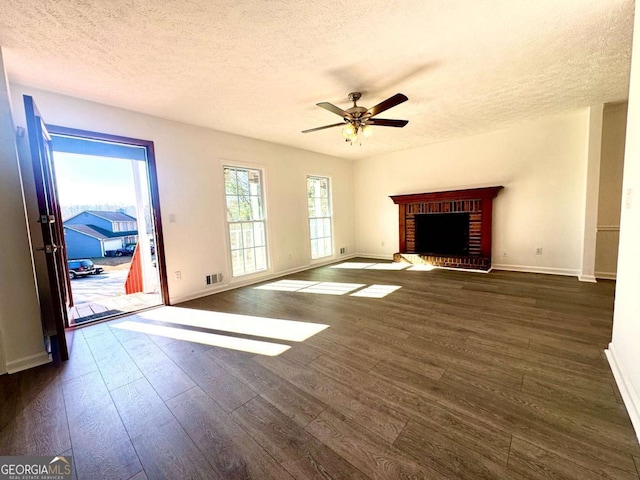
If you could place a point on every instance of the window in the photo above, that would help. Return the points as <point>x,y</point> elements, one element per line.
<point>246,220</point>
<point>319,201</point>
<point>116,226</point>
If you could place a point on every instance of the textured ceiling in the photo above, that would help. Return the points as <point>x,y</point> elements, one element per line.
<point>258,67</point>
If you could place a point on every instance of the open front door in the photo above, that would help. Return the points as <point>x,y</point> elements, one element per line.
<point>50,221</point>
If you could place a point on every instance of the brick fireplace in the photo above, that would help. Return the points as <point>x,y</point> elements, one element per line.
<point>449,242</point>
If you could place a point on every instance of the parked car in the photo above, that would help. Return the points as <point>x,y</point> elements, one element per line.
<point>83,267</point>
<point>126,251</point>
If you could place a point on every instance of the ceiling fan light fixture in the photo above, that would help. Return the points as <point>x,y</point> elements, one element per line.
<point>358,120</point>
<point>349,131</point>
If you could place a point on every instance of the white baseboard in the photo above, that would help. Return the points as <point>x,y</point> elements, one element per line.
<point>533,269</point>
<point>257,279</point>
<point>375,256</point>
<point>629,395</point>
<point>587,278</point>
<point>25,363</point>
<point>607,275</point>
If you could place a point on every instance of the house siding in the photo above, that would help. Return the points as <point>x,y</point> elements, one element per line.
<point>81,246</point>
<point>85,218</point>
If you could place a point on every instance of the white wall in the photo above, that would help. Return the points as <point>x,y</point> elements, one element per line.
<point>614,129</point>
<point>624,350</point>
<point>541,164</point>
<point>189,163</point>
<point>21,338</point>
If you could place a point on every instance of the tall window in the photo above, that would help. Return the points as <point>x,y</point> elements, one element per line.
<point>246,221</point>
<point>319,201</point>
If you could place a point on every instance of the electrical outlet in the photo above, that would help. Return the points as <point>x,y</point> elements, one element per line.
<point>178,275</point>
<point>504,253</point>
<point>539,251</point>
<point>382,243</point>
<point>343,250</point>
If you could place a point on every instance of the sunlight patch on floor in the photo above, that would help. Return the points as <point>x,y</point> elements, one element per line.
<point>332,288</point>
<point>421,268</point>
<point>376,291</point>
<point>353,265</point>
<point>286,285</point>
<point>279,329</point>
<point>234,343</point>
<point>372,266</point>
<point>325,288</point>
<point>389,266</point>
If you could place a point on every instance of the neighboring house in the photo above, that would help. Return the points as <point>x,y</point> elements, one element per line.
<point>92,233</point>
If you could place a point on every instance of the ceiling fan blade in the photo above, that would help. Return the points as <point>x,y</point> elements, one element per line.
<point>397,99</point>
<point>382,122</point>
<point>332,108</point>
<point>322,128</point>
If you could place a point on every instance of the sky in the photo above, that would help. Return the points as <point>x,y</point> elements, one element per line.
<point>90,180</point>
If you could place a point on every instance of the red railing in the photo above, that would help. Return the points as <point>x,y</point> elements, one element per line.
<point>134,278</point>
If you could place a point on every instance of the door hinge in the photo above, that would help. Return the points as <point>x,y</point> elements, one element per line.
<point>48,249</point>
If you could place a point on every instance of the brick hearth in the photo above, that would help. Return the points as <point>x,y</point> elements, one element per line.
<point>478,202</point>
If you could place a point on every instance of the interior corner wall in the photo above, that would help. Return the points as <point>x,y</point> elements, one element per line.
<point>614,128</point>
<point>590,224</point>
<point>624,349</point>
<point>189,162</point>
<point>20,326</point>
<point>541,163</point>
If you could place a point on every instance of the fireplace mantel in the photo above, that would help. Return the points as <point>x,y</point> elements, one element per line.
<point>468,194</point>
<point>478,202</point>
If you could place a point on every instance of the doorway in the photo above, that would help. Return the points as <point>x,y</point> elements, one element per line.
<point>104,189</point>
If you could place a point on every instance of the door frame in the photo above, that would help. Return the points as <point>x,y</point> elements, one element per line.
<point>41,155</point>
<point>153,187</point>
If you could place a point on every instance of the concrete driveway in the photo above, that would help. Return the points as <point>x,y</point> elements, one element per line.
<point>93,287</point>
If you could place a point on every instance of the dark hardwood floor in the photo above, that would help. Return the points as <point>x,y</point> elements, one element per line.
<point>456,375</point>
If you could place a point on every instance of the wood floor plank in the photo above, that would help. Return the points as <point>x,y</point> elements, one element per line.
<point>164,375</point>
<point>101,444</point>
<point>346,354</point>
<point>115,364</point>
<point>39,426</point>
<point>164,449</point>
<point>370,412</point>
<point>300,453</point>
<point>471,432</point>
<point>528,461</point>
<point>139,476</point>
<point>80,360</point>
<point>370,454</point>
<point>511,414</point>
<point>232,453</point>
<point>289,399</point>
<point>450,367</point>
<point>431,448</point>
<point>210,376</point>
<point>593,403</point>
<point>9,400</point>
<point>597,388</point>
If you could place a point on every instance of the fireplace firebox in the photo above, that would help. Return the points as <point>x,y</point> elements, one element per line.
<point>448,229</point>
<point>442,233</point>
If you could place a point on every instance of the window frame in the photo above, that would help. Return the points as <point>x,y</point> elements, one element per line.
<point>228,235</point>
<point>329,217</point>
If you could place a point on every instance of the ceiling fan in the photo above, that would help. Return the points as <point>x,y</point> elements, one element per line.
<point>358,120</point>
